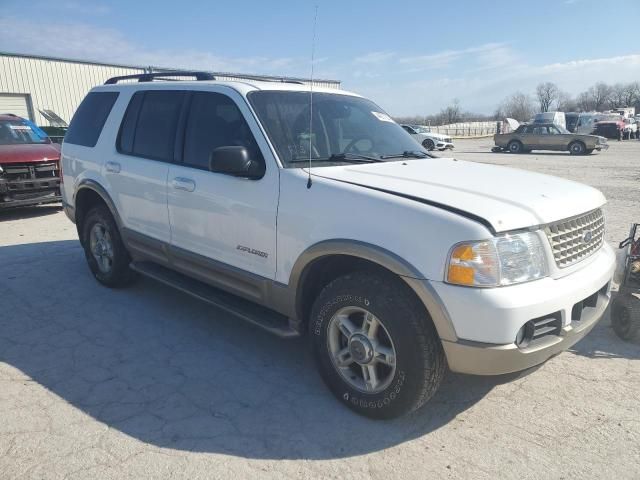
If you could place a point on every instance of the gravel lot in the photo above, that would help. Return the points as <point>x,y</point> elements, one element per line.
<point>148,383</point>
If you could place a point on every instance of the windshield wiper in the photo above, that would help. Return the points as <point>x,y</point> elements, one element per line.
<point>340,157</point>
<point>408,154</point>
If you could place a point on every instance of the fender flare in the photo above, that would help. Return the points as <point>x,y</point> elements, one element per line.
<point>89,184</point>
<point>380,256</point>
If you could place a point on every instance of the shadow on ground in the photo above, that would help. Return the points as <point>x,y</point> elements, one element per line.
<point>29,212</point>
<point>171,371</point>
<point>603,343</point>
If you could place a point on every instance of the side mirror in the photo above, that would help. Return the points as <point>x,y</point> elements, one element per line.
<point>235,161</point>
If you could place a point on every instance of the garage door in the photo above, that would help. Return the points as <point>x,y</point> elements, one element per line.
<point>17,104</point>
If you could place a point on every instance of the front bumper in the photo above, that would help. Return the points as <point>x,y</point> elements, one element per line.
<point>21,193</point>
<point>444,146</point>
<point>486,321</point>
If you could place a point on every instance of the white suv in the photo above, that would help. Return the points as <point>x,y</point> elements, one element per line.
<point>337,224</point>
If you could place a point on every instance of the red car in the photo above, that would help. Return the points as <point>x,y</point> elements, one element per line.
<point>29,164</point>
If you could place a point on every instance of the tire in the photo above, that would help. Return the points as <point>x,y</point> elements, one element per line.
<point>625,317</point>
<point>404,329</point>
<point>514,146</point>
<point>577,148</point>
<point>429,144</point>
<point>113,272</point>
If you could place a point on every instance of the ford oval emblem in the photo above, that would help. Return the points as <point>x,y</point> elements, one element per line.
<point>588,236</point>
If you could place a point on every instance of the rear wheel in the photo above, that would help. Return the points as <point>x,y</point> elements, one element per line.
<point>625,317</point>
<point>515,146</point>
<point>577,148</point>
<point>375,346</point>
<point>106,255</point>
<point>428,144</point>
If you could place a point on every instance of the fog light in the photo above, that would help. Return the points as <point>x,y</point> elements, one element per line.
<point>525,334</point>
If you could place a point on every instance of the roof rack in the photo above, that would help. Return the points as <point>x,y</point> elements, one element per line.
<point>149,77</point>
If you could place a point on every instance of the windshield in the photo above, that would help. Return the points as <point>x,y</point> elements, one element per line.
<point>20,132</point>
<point>562,129</point>
<point>343,127</point>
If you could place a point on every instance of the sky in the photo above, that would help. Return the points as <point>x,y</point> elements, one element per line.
<point>411,57</point>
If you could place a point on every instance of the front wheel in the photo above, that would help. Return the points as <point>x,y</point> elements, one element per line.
<point>577,148</point>
<point>375,346</point>
<point>428,144</point>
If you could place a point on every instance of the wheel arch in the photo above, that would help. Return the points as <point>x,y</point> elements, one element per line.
<point>88,194</point>
<point>327,260</point>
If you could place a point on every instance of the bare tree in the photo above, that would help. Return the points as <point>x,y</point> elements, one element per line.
<point>547,93</point>
<point>631,94</point>
<point>618,96</point>
<point>518,106</point>
<point>600,94</point>
<point>451,114</point>
<point>565,103</point>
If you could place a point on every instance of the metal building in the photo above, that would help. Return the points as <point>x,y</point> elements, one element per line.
<point>32,86</point>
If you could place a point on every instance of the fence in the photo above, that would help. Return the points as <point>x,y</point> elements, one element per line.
<point>467,129</point>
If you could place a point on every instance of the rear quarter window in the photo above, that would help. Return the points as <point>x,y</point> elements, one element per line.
<point>89,119</point>
<point>148,129</point>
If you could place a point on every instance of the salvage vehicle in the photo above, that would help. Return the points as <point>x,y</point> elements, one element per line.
<point>625,308</point>
<point>428,139</point>
<point>610,128</point>
<point>557,118</point>
<point>541,136</point>
<point>29,164</point>
<point>312,211</point>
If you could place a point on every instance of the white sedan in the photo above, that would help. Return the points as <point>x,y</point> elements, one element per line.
<point>428,139</point>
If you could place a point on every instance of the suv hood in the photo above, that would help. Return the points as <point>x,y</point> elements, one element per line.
<point>26,153</point>
<point>505,198</point>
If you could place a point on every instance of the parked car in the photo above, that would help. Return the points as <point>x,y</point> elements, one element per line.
<point>29,164</point>
<point>557,118</point>
<point>613,129</point>
<point>572,121</point>
<point>428,139</point>
<point>335,224</point>
<point>540,136</point>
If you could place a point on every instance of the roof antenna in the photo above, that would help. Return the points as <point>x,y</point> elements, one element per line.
<point>313,52</point>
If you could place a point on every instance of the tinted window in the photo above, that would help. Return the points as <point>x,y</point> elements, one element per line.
<point>89,118</point>
<point>215,121</point>
<point>155,116</point>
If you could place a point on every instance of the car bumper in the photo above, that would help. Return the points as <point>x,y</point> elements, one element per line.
<point>444,146</point>
<point>486,321</point>
<point>22,193</point>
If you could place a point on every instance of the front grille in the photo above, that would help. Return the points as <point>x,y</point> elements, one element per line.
<point>577,238</point>
<point>30,171</point>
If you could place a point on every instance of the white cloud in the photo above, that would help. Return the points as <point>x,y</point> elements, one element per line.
<point>375,57</point>
<point>488,51</point>
<point>81,41</point>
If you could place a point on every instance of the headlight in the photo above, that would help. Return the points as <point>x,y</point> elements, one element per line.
<point>503,260</point>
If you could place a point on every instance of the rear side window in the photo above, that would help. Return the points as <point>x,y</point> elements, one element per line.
<point>149,126</point>
<point>89,118</point>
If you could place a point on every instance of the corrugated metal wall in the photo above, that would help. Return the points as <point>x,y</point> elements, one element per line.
<point>60,85</point>
<point>54,85</point>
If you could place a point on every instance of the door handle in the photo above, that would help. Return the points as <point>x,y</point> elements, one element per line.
<point>113,167</point>
<point>181,183</point>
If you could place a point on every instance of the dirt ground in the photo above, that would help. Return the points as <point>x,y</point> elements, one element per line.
<point>148,383</point>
